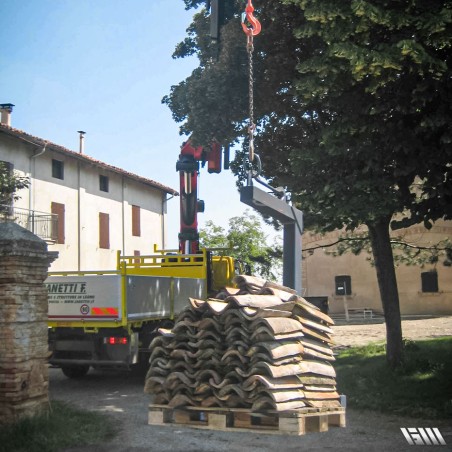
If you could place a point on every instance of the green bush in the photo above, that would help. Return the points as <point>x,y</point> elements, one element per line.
<point>421,387</point>
<point>63,427</point>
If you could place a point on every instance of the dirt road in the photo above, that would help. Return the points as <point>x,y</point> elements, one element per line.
<point>411,329</point>
<point>121,396</point>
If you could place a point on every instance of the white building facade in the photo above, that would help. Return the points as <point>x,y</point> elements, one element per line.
<point>100,209</point>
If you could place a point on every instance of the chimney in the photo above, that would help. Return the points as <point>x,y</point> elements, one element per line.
<point>82,141</point>
<point>6,110</point>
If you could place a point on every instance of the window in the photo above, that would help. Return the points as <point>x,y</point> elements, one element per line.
<point>103,183</point>
<point>343,284</point>
<point>137,254</point>
<point>57,169</point>
<point>429,281</point>
<point>58,227</point>
<point>136,229</point>
<point>104,230</point>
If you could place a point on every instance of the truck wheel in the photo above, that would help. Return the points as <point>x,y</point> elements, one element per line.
<point>75,371</point>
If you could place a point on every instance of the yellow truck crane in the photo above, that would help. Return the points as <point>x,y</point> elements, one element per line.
<point>107,319</point>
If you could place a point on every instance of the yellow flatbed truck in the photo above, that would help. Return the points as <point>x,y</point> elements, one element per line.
<point>106,319</point>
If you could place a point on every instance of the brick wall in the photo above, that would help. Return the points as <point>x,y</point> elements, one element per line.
<point>24,261</point>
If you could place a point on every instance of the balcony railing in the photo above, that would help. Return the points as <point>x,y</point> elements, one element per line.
<point>42,224</point>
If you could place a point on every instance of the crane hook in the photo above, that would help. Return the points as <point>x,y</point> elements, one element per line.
<point>255,28</point>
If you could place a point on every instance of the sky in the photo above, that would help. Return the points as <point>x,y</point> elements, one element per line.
<point>103,66</point>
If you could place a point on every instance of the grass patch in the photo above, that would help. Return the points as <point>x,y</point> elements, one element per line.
<point>64,427</point>
<point>422,387</point>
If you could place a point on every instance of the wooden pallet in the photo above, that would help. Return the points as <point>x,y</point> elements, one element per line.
<point>293,422</point>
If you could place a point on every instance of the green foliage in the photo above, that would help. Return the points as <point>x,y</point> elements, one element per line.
<point>213,236</point>
<point>351,97</point>
<point>433,254</point>
<point>10,184</point>
<point>404,252</point>
<point>381,68</point>
<point>63,428</point>
<point>353,111</point>
<point>245,241</point>
<point>421,387</point>
<point>354,243</point>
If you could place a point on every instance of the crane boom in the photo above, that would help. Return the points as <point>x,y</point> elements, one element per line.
<point>190,205</point>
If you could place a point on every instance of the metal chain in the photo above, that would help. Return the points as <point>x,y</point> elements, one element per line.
<point>251,126</point>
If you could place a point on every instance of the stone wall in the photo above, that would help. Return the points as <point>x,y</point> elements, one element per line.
<point>24,262</point>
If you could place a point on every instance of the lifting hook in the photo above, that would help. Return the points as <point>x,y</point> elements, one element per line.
<point>255,28</point>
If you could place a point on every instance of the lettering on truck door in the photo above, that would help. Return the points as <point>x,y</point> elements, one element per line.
<point>93,297</point>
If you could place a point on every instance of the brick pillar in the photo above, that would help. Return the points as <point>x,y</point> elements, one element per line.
<point>24,378</point>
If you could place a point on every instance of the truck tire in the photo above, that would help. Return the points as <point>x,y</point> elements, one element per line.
<point>75,371</point>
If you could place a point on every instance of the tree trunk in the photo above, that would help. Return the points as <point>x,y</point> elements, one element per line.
<point>387,282</point>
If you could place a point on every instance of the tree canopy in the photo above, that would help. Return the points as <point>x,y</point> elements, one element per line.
<point>351,99</point>
<point>10,184</point>
<point>245,241</point>
<point>353,111</point>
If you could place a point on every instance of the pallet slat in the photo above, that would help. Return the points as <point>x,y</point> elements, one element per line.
<point>294,422</point>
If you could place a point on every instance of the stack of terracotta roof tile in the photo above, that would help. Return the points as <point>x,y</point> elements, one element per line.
<point>257,346</point>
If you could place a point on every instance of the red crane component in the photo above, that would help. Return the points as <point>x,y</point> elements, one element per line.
<point>188,166</point>
<point>190,156</point>
<point>214,160</point>
<point>255,28</point>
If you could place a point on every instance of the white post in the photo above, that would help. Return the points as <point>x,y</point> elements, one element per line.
<point>347,317</point>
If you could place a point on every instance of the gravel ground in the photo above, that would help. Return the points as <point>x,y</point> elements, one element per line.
<point>121,396</point>
<point>350,335</point>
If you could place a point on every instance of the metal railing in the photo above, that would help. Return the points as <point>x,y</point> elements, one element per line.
<point>42,224</point>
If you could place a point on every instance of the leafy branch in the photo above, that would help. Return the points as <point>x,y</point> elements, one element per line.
<point>408,253</point>
<point>10,183</point>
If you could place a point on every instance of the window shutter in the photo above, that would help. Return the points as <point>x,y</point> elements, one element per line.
<point>104,230</point>
<point>58,234</point>
<point>136,226</point>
